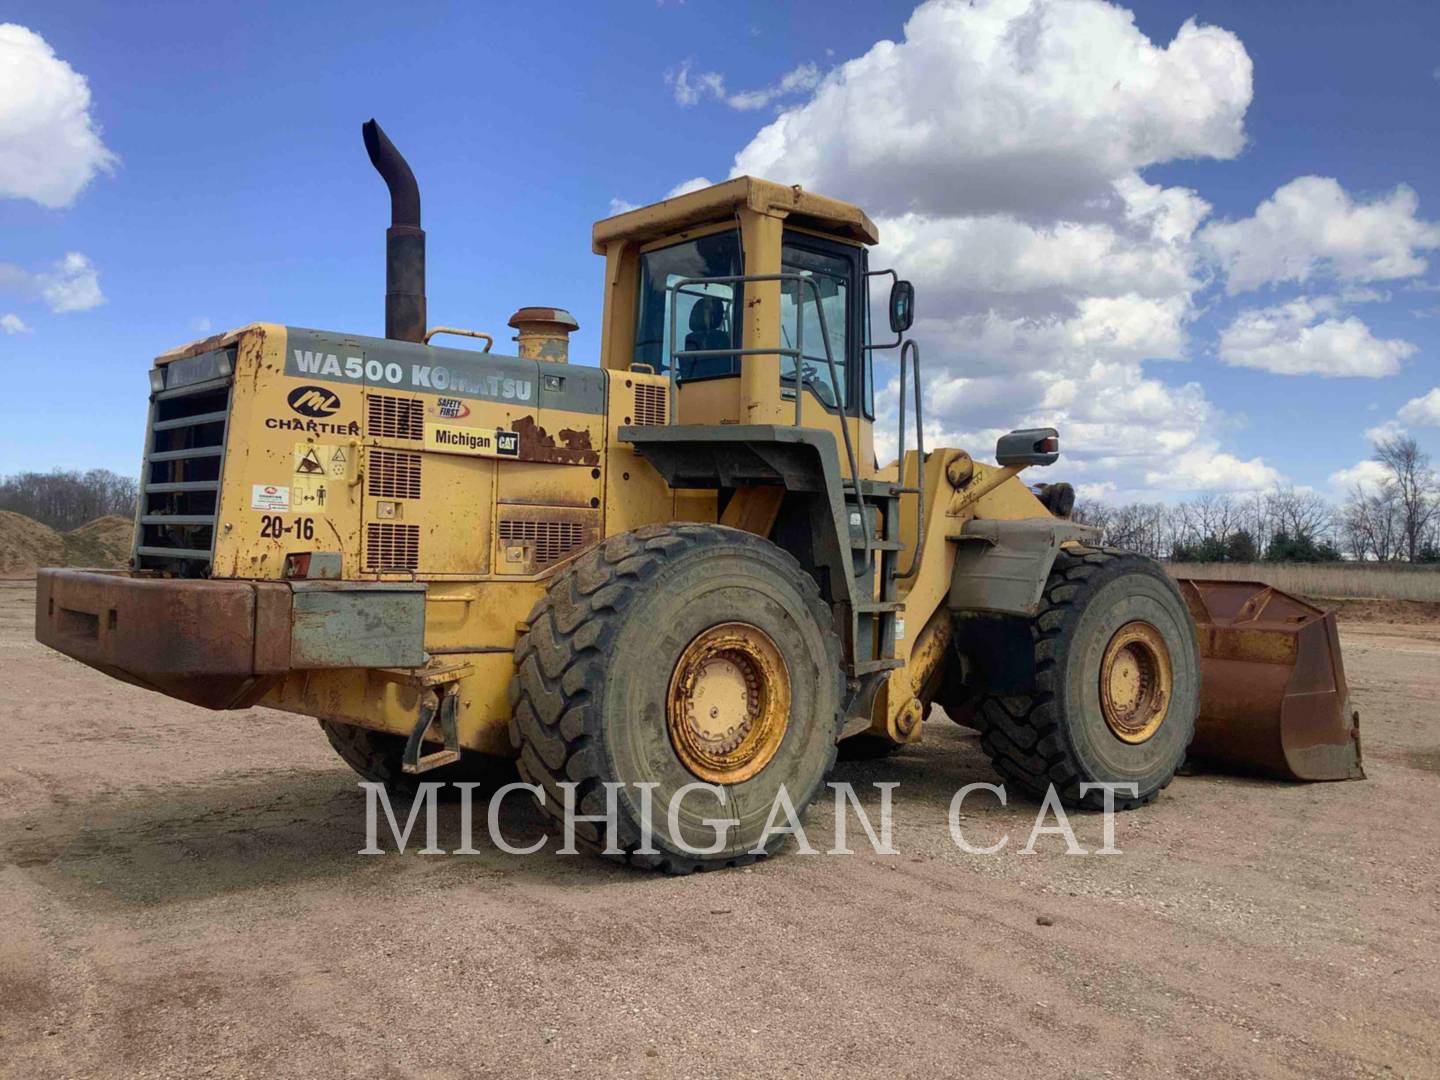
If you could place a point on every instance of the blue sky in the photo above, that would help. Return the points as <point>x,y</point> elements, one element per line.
<point>240,192</point>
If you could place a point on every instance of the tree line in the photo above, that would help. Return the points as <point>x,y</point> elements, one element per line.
<point>65,500</point>
<point>1396,519</point>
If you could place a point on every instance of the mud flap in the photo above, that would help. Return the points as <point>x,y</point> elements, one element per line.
<point>1273,696</point>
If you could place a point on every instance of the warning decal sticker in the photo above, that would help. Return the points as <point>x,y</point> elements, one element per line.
<point>319,471</point>
<point>272,497</point>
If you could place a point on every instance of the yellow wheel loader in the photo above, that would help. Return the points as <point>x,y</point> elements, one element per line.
<point>683,566</point>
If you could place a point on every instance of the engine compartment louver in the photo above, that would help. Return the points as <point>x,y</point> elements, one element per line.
<point>391,417</point>
<point>393,474</point>
<point>551,540</point>
<point>652,405</point>
<point>391,546</point>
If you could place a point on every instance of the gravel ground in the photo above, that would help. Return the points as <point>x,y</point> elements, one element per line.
<point>181,895</point>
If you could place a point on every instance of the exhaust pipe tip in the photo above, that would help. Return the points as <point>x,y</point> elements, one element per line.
<point>397,174</point>
<point>405,314</point>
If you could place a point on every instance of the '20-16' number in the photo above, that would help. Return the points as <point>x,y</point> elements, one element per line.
<point>274,527</point>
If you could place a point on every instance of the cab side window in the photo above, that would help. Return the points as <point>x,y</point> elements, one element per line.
<point>706,316</point>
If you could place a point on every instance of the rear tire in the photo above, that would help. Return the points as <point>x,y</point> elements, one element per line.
<point>378,756</point>
<point>594,694</point>
<point>1095,601</point>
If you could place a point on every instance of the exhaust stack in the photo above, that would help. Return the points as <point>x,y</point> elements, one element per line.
<point>404,240</point>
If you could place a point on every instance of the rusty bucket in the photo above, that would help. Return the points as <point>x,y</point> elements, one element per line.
<point>1273,697</point>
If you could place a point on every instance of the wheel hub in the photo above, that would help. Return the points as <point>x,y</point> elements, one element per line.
<point>729,703</point>
<point>1136,681</point>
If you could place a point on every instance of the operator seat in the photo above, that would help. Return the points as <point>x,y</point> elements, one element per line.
<point>708,331</point>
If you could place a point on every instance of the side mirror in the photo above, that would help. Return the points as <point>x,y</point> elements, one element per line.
<point>902,306</point>
<point>1032,446</point>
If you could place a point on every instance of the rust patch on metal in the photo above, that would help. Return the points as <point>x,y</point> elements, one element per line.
<point>537,444</point>
<point>193,640</point>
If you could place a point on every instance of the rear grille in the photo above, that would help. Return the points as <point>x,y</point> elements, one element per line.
<point>392,547</point>
<point>393,475</point>
<point>392,417</point>
<point>184,459</point>
<point>652,404</point>
<point>552,540</point>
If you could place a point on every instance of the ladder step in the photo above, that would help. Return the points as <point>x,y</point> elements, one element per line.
<point>865,667</point>
<point>177,519</point>
<point>189,421</point>
<point>173,553</point>
<point>880,607</point>
<point>877,545</point>
<point>184,485</point>
<point>182,455</point>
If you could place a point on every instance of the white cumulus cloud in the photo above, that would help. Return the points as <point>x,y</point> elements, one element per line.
<point>1301,338</point>
<point>1423,411</point>
<point>1312,226</point>
<point>1367,475</point>
<point>73,284</point>
<point>1009,106</point>
<point>50,145</point>
<point>13,324</point>
<point>695,183</point>
<point>1207,468</point>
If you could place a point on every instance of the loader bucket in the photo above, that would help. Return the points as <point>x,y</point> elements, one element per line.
<point>1273,697</point>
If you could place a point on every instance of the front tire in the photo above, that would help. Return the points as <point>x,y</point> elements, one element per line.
<point>1117,684</point>
<point>678,655</point>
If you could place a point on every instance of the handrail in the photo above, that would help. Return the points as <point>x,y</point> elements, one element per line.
<point>798,352</point>
<point>914,351</point>
<point>458,332</point>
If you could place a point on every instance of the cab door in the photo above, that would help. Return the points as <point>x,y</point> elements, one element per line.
<point>837,271</point>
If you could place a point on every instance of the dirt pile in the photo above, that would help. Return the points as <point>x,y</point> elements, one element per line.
<point>102,542</point>
<point>26,545</point>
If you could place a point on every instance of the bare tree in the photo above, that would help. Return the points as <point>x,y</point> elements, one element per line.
<point>1370,522</point>
<point>1415,489</point>
<point>67,500</point>
<point>1305,514</point>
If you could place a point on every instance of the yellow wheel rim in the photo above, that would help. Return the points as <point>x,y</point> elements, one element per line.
<point>1136,682</point>
<point>729,703</point>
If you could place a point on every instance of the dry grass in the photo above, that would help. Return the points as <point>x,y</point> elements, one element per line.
<point>1357,580</point>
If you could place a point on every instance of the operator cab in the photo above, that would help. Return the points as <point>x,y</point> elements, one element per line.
<point>703,286</point>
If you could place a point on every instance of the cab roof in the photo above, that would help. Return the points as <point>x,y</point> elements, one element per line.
<point>720,201</point>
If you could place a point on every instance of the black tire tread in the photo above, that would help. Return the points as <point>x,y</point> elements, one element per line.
<point>1022,735</point>
<point>560,664</point>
